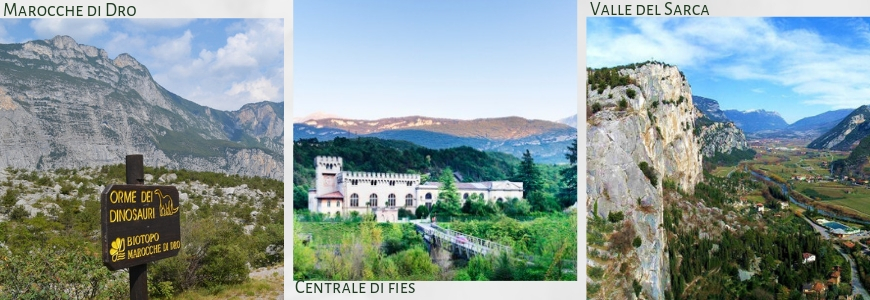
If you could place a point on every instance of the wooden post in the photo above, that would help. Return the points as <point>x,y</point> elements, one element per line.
<point>138,273</point>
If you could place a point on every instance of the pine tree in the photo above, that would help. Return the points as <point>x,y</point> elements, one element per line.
<point>448,196</point>
<point>568,195</point>
<point>529,174</point>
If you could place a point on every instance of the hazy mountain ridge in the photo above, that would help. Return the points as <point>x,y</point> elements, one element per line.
<point>752,121</point>
<point>66,105</point>
<point>547,141</point>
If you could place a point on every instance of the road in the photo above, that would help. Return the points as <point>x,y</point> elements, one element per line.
<point>858,288</point>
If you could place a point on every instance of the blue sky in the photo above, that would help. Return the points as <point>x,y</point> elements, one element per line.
<point>452,59</point>
<point>798,67</point>
<point>220,63</point>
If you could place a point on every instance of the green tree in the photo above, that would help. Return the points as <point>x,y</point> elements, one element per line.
<point>529,174</point>
<point>448,196</point>
<point>421,212</point>
<point>568,194</point>
<point>300,197</point>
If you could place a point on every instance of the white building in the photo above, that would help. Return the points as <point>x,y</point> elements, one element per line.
<point>337,191</point>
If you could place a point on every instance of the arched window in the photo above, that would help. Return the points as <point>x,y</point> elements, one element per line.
<point>373,200</point>
<point>354,200</point>
<point>392,183</point>
<point>391,200</point>
<point>428,196</point>
<point>374,182</point>
<point>465,196</point>
<point>353,182</point>
<point>481,196</point>
<point>500,199</point>
<point>409,200</point>
<point>410,183</point>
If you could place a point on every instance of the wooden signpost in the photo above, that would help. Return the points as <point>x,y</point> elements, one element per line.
<point>140,223</point>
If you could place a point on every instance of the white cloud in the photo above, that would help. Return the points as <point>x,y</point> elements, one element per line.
<point>247,68</point>
<point>81,30</point>
<point>174,49</point>
<point>741,49</point>
<point>259,89</point>
<point>157,24</point>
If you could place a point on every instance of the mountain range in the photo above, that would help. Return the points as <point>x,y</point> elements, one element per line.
<point>68,105</point>
<point>848,132</point>
<point>547,141</point>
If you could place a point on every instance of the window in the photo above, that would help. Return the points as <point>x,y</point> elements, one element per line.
<point>391,200</point>
<point>392,183</point>
<point>465,196</point>
<point>409,200</point>
<point>328,203</point>
<point>353,182</point>
<point>481,196</point>
<point>428,196</point>
<point>373,200</point>
<point>500,199</point>
<point>354,200</point>
<point>374,182</point>
<point>410,183</point>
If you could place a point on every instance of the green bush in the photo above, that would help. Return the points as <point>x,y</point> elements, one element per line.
<point>637,242</point>
<point>623,104</point>
<point>649,172</point>
<point>631,93</point>
<point>422,212</point>
<point>223,264</point>
<point>461,275</point>
<point>596,107</point>
<point>479,267</point>
<point>615,217</point>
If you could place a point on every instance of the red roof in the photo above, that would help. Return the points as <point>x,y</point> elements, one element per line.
<point>333,195</point>
<point>807,255</point>
<point>849,244</point>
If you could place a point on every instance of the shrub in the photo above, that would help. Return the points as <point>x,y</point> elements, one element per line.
<point>623,104</point>
<point>422,212</point>
<point>637,242</point>
<point>479,267</point>
<point>615,217</point>
<point>223,264</point>
<point>462,275</point>
<point>631,93</point>
<point>596,107</point>
<point>649,172</point>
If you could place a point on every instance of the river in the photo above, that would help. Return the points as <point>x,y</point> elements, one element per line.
<point>805,206</point>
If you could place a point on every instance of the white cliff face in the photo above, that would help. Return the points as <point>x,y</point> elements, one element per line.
<point>66,105</point>
<point>656,128</point>
<point>721,138</point>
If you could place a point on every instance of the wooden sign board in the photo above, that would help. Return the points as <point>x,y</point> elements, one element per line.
<point>140,223</point>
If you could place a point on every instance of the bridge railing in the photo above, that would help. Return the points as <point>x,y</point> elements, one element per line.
<point>478,245</point>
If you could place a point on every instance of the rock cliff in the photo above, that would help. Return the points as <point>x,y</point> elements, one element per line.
<point>650,119</point>
<point>721,138</point>
<point>67,105</point>
<point>847,133</point>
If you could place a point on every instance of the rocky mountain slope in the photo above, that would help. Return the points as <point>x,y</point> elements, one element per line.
<point>752,121</point>
<point>847,133</point>
<point>547,141</point>
<point>716,133</point>
<point>648,120</point>
<point>710,108</point>
<point>67,105</point>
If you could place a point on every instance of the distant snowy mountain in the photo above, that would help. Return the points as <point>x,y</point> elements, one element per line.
<point>756,120</point>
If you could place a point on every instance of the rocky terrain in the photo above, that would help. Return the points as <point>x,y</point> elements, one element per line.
<point>67,105</point>
<point>716,132</point>
<point>39,192</point>
<point>847,133</point>
<point>649,120</point>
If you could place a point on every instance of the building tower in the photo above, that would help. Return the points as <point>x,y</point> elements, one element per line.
<point>325,193</point>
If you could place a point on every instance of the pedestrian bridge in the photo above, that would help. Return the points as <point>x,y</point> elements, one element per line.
<point>458,242</point>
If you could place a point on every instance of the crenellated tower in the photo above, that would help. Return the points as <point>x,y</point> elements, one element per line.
<point>327,169</point>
